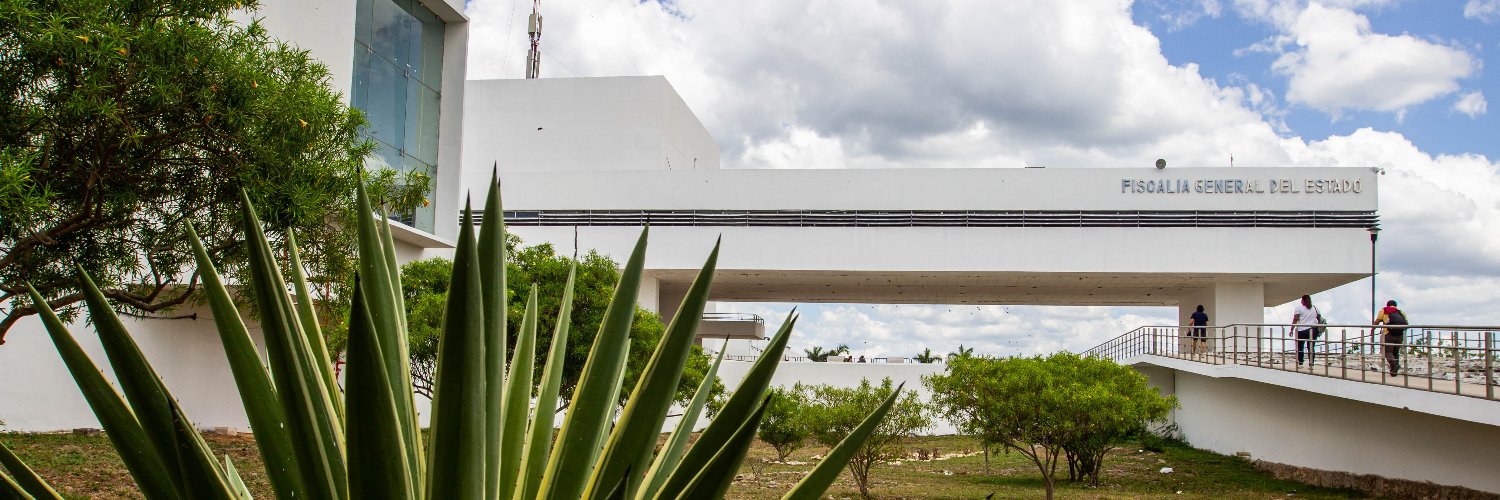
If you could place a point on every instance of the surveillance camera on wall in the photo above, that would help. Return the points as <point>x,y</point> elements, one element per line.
<point>1161,164</point>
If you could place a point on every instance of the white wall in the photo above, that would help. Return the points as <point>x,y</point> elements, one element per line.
<point>844,375</point>
<point>1397,433</point>
<point>39,393</point>
<point>581,125</point>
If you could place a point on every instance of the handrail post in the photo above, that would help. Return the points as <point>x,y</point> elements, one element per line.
<point>1458,371</point>
<point>1489,365</point>
<point>1344,353</point>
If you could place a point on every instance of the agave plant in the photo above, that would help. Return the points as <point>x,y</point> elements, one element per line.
<point>491,425</point>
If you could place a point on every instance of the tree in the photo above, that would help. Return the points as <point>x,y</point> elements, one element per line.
<point>926,356</point>
<point>424,285</point>
<point>833,412</point>
<point>123,121</point>
<point>785,426</point>
<point>816,353</point>
<point>1047,407</point>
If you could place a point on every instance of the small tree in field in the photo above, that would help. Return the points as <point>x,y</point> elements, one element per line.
<point>835,411</point>
<point>1048,408</point>
<point>785,425</point>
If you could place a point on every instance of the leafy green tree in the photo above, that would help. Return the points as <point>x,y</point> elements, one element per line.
<point>123,120</point>
<point>1116,404</point>
<point>926,356</point>
<point>817,353</point>
<point>424,286</point>
<point>833,412</point>
<point>1045,408</point>
<point>785,425</point>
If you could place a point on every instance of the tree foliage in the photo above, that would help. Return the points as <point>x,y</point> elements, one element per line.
<point>833,412</point>
<point>785,425</point>
<point>122,120</point>
<point>817,353</point>
<point>1049,407</point>
<point>425,284</point>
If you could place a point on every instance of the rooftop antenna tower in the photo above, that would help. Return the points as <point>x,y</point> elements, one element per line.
<point>534,28</point>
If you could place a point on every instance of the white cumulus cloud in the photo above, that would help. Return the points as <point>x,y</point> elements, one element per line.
<point>1471,103</point>
<point>1337,63</point>
<point>1485,11</point>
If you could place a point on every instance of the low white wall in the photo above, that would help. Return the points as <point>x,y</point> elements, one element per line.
<point>38,393</point>
<point>844,375</point>
<point>1307,429</point>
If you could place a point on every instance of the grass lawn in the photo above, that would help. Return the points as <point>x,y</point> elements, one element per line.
<point>87,466</point>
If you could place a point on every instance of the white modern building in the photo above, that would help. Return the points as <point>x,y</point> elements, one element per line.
<point>589,162</point>
<point>586,163</point>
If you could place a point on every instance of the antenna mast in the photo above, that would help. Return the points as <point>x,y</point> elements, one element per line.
<point>534,28</point>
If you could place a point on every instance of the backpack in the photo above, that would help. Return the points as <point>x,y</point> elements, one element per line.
<point>1396,318</point>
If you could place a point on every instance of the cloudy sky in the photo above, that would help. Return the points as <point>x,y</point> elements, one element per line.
<point>1394,84</point>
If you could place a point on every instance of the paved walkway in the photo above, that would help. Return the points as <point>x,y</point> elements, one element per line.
<point>1366,368</point>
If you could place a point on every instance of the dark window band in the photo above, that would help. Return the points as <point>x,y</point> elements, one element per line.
<point>941,218</point>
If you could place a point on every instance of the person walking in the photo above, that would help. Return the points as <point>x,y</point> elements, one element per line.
<point>1395,337</point>
<point>1305,321</point>
<point>1200,330</point>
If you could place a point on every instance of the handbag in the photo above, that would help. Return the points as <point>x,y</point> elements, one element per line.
<point>1318,330</point>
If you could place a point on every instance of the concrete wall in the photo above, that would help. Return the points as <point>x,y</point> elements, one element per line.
<point>581,125</point>
<point>844,375</point>
<point>1397,436</point>
<point>39,393</point>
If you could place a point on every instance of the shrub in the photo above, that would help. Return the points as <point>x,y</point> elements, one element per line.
<point>833,412</point>
<point>1048,408</point>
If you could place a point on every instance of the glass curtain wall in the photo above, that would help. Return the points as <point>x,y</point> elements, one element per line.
<point>398,70</point>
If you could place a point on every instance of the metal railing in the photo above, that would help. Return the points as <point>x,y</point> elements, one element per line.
<point>1458,360</point>
<point>733,316</point>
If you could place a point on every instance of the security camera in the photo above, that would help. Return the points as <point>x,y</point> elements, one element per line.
<point>1161,164</point>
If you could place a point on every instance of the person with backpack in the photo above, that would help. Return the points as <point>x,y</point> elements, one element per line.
<point>1395,337</point>
<point>1305,319</point>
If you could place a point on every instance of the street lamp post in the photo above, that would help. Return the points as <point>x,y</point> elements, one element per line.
<point>1374,232</point>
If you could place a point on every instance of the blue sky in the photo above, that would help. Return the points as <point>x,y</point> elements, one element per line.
<point>1216,45</point>
<point>1402,85</point>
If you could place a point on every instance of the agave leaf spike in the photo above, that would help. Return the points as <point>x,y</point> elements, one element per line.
<point>734,414</point>
<point>378,464</point>
<point>236,483</point>
<point>455,461</point>
<point>715,477</point>
<point>812,486</point>
<point>192,468</point>
<point>639,427</point>
<point>119,423</point>
<point>311,327</point>
<point>262,406</point>
<point>26,483</point>
<point>383,292</point>
<point>539,435</point>
<point>671,453</point>
<point>317,434</point>
<point>492,274</point>
<point>574,454</point>
<point>9,489</point>
<point>518,398</point>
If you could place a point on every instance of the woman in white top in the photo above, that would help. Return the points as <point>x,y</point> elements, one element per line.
<point>1305,317</point>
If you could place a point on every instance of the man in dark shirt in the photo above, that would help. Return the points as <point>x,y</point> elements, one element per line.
<point>1199,332</point>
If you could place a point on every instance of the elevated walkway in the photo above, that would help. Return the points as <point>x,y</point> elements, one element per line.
<point>1242,392</point>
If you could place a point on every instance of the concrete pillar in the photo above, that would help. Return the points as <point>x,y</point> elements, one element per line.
<point>650,292</point>
<point>1227,303</point>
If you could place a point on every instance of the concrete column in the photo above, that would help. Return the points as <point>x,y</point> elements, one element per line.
<point>649,295</point>
<point>1227,303</point>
